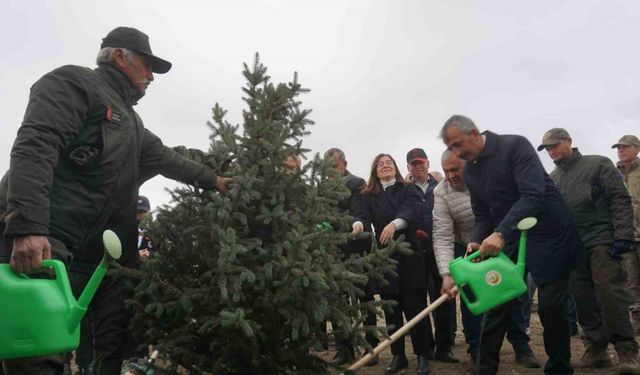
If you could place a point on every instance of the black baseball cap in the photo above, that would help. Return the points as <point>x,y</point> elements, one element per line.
<point>135,40</point>
<point>143,204</point>
<point>416,154</point>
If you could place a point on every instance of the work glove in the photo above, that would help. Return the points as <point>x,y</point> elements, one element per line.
<point>620,247</point>
<point>422,234</point>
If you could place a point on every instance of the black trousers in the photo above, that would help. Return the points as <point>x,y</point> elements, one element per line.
<point>552,309</point>
<point>444,318</point>
<point>110,321</point>
<point>84,353</point>
<point>410,303</point>
<point>602,300</point>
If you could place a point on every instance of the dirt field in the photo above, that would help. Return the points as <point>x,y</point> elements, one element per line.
<point>507,359</point>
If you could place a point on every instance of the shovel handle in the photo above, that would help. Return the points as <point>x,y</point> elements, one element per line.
<point>399,333</point>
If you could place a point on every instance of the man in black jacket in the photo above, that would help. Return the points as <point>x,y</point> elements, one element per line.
<point>76,164</point>
<point>507,183</point>
<point>601,207</point>
<point>345,352</point>
<point>443,317</point>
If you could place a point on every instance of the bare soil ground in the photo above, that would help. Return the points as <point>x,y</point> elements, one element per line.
<point>507,358</point>
<point>508,366</point>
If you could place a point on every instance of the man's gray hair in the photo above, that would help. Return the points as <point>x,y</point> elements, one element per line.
<point>461,122</point>
<point>334,150</point>
<point>107,55</point>
<point>446,155</point>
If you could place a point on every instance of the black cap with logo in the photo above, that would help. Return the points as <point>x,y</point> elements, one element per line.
<point>143,204</point>
<point>135,40</point>
<point>416,154</point>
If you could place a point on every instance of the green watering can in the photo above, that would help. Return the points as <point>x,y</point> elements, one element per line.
<point>486,284</point>
<point>40,316</point>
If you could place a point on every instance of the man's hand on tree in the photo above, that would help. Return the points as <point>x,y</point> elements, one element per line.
<point>223,184</point>
<point>492,245</point>
<point>449,286</point>
<point>28,252</point>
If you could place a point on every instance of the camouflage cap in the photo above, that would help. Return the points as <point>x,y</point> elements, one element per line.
<point>553,137</point>
<point>627,140</point>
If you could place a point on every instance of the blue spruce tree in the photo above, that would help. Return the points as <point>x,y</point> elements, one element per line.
<point>244,283</point>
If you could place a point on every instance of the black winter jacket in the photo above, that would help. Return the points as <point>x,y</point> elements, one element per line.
<point>508,183</point>
<point>597,197</point>
<point>78,159</point>
<point>397,201</point>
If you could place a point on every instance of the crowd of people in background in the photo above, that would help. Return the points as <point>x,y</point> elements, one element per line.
<point>582,256</point>
<point>82,153</point>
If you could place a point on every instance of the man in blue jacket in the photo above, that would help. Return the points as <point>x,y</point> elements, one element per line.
<point>507,183</point>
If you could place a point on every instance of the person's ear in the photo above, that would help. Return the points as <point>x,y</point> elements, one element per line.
<point>119,58</point>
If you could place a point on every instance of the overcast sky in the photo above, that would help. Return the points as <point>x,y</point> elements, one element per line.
<point>384,75</point>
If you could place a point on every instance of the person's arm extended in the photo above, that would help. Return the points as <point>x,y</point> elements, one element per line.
<point>361,214</point>
<point>156,158</point>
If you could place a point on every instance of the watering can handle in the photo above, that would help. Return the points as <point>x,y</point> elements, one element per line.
<point>474,255</point>
<point>62,281</point>
<point>56,265</point>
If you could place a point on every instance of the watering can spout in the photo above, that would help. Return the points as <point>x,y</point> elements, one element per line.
<point>523,226</point>
<point>113,250</point>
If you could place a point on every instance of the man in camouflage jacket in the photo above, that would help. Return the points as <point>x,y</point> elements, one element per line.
<point>629,165</point>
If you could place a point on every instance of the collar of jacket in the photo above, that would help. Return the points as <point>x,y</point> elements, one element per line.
<point>630,167</point>
<point>569,162</point>
<point>431,180</point>
<point>490,146</point>
<point>448,188</point>
<point>347,177</point>
<point>119,82</point>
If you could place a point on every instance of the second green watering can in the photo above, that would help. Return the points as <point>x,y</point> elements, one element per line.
<point>486,284</point>
<point>41,316</point>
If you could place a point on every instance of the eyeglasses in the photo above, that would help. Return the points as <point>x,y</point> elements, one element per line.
<point>382,163</point>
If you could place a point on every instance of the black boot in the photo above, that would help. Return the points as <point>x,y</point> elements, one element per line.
<point>527,359</point>
<point>398,362</point>
<point>343,356</point>
<point>445,355</point>
<point>422,365</point>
